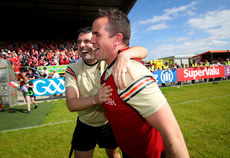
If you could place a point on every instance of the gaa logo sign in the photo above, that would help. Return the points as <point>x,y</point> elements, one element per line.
<point>48,86</point>
<point>166,76</point>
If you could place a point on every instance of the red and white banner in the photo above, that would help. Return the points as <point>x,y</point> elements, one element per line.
<point>13,84</point>
<point>200,73</point>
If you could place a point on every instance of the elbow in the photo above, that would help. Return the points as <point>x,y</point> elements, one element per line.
<point>176,146</point>
<point>70,107</point>
<point>146,53</point>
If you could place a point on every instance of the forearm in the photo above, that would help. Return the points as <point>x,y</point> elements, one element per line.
<point>164,121</point>
<point>77,104</point>
<point>176,148</point>
<point>136,52</point>
<point>29,86</point>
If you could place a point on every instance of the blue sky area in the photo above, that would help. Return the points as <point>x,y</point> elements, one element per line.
<point>180,27</point>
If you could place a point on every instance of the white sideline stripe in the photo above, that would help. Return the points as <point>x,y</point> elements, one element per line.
<point>48,124</point>
<point>55,123</point>
<point>192,101</point>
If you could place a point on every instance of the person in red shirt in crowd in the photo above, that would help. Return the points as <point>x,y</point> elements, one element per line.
<point>41,62</point>
<point>61,59</point>
<point>2,56</point>
<point>16,68</point>
<point>49,56</point>
<point>66,61</point>
<point>13,58</point>
<point>53,61</point>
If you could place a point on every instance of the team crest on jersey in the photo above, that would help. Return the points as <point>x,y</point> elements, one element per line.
<point>111,102</point>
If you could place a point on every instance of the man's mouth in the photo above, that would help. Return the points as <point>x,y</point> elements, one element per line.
<point>84,52</point>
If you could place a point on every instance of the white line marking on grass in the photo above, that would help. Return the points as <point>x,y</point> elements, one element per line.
<point>192,101</point>
<point>48,124</point>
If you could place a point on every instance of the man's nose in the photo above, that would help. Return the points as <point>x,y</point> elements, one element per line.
<point>82,45</point>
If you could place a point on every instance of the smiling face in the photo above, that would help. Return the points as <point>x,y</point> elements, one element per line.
<point>85,48</point>
<point>104,44</point>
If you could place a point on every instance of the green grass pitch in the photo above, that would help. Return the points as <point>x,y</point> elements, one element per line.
<point>202,111</point>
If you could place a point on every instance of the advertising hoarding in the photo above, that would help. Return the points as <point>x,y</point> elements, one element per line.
<point>200,73</point>
<point>163,76</point>
<point>43,87</point>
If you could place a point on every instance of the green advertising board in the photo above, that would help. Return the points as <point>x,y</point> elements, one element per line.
<point>58,68</point>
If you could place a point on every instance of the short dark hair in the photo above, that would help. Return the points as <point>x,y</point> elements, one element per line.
<point>118,23</point>
<point>85,30</point>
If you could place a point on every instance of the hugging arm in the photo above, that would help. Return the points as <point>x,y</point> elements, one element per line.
<point>74,103</point>
<point>122,64</point>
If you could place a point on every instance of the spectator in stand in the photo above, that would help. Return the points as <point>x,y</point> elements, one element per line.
<point>2,56</point>
<point>41,62</point>
<point>227,61</point>
<point>33,66</point>
<point>200,64</point>
<point>173,67</point>
<point>194,64</point>
<point>72,60</point>
<point>66,60</point>
<point>151,67</point>
<point>177,66</point>
<point>45,73</point>
<point>61,59</point>
<point>3,52</point>
<point>206,64</point>
<point>165,66</point>
<point>53,61</point>
<point>183,66</point>
<point>30,75</point>
<point>55,74</point>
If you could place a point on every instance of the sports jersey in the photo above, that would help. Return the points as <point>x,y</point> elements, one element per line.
<point>22,78</point>
<point>127,108</point>
<point>85,79</point>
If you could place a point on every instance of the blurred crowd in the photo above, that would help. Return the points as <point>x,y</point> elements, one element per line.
<point>34,53</point>
<point>195,64</point>
<point>22,54</point>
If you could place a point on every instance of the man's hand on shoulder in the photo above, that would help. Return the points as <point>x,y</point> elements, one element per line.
<point>120,68</point>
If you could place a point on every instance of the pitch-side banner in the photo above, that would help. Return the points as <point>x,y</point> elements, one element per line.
<point>200,73</point>
<point>227,70</point>
<point>50,86</point>
<point>58,68</point>
<point>163,76</point>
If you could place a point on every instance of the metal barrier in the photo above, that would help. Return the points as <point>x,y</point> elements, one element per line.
<point>8,94</point>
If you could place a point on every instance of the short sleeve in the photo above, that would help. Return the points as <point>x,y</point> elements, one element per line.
<point>70,78</point>
<point>143,94</point>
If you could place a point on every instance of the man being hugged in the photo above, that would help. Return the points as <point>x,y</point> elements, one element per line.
<point>140,116</point>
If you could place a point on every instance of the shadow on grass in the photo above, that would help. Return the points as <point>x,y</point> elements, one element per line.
<point>17,109</point>
<point>16,117</point>
<point>13,110</point>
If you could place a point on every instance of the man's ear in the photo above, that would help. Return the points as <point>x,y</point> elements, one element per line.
<point>118,39</point>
